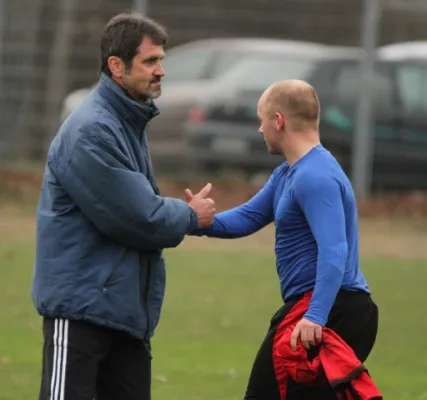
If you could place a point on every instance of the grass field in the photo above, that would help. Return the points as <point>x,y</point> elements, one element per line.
<point>218,305</point>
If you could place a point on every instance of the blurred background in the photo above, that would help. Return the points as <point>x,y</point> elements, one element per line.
<point>367,59</point>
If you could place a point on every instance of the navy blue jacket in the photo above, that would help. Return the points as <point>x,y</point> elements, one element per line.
<point>101,222</point>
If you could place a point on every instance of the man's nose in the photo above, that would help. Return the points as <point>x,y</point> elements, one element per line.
<point>159,71</point>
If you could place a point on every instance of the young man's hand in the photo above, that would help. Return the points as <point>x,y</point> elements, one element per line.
<point>203,206</point>
<point>309,332</point>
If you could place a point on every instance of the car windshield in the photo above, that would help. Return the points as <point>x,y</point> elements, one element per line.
<point>258,74</point>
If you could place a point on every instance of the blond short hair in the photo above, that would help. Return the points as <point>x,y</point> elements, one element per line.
<point>297,100</point>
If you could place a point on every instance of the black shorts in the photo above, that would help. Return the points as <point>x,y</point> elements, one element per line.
<point>82,361</point>
<point>354,317</point>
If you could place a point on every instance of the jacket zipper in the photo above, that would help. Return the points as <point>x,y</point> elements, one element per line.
<point>148,266</point>
<point>146,291</point>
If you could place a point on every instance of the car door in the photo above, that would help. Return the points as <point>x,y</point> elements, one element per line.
<point>411,81</point>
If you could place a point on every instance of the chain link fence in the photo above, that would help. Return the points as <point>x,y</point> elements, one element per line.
<point>47,49</point>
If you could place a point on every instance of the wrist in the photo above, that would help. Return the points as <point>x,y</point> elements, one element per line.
<point>315,318</point>
<point>192,226</point>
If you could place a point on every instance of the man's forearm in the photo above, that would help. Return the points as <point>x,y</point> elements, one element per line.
<point>235,223</point>
<point>243,220</point>
<point>330,272</point>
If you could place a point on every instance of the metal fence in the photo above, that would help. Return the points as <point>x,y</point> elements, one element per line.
<point>363,146</point>
<point>49,48</point>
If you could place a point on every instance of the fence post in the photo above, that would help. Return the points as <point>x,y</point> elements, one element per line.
<point>140,6</point>
<point>363,138</point>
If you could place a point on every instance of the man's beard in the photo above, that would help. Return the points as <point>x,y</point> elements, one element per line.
<point>155,94</point>
<point>152,95</point>
<point>146,96</point>
<point>142,98</point>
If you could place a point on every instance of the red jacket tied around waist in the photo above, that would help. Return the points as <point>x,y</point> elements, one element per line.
<point>336,363</point>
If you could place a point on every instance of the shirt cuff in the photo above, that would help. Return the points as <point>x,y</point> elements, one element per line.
<point>316,319</point>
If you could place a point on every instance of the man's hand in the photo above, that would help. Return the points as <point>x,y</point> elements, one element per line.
<point>202,205</point>
<point>309,332</point>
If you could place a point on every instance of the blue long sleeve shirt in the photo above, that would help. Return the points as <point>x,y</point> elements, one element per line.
<point>313,206</point>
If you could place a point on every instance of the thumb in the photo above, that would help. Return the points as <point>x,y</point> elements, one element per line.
<point>188,195</point>
<point>205,191</point>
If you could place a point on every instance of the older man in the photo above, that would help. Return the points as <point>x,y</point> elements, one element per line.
<point>99,276</point>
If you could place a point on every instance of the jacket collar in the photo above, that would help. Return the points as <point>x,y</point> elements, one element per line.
<point>136,113</point>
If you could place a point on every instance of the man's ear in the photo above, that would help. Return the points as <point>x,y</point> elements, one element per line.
<point>280,120</point>
<point>117,66</point>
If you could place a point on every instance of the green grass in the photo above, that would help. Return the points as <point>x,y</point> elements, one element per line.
<point>217,309</point>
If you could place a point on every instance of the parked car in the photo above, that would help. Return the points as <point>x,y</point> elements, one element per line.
<point>222,133</point>
<point>416,50</point>
<point>223,125</point>
<point>190,70</point>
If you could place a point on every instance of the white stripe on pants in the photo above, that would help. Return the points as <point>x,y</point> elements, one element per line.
<point>60,344</point>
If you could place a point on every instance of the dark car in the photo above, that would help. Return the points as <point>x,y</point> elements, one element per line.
<point>222,133</point>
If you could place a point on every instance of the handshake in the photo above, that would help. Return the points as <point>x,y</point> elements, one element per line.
<point>203,205</point>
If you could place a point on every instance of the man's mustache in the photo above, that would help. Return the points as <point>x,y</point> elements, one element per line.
<point>156,79</point>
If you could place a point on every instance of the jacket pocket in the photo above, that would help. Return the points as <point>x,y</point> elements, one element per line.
<point>113,271</point>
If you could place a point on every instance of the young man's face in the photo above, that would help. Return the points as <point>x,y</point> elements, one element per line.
<point>269,129</point>
<point>143,78</point>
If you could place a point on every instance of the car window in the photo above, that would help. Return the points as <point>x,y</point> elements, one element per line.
<point>187,65</point>
<point>224,60</point>
<point>342,101</point>
<point>346,86</point>
<point>256,73</point>
<point>412,86</point>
